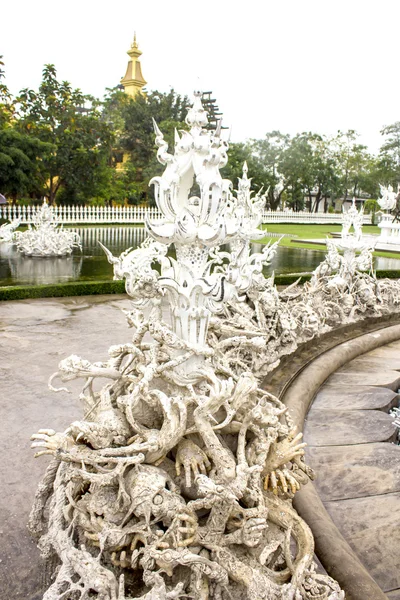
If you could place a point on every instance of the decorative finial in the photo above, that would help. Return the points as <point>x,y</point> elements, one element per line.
<point>134,44</point>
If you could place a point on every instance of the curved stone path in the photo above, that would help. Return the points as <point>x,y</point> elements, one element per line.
<point>350,436</point>
<point>36,334</point>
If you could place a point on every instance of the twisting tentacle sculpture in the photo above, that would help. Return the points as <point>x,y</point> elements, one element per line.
<point>257,333</point>
<point>177,482</point>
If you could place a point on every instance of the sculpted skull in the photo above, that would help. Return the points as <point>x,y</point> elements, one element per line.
<point>153,494</point>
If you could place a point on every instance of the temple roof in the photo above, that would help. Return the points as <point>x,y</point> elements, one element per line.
<point>133,80</point>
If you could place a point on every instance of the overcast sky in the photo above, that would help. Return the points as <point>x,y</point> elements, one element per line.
<point>292,65</point>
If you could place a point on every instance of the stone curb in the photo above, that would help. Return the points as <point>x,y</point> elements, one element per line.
<point>337,557</point>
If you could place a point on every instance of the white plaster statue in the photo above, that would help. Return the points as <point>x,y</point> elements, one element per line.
<point>46,237</point>
<point>7,231</point>
<point>388,198</point>
<point>254,334</point>
<point>178,480</point>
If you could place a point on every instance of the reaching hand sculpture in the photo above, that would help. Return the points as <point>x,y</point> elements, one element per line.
<point>46,238</point>
<point>177,482</point>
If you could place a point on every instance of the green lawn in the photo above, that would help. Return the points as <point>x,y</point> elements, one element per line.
<point>308,231</point>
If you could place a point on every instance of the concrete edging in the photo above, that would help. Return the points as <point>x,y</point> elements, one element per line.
<point>334,552</point>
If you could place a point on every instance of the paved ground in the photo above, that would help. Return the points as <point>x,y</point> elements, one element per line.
<point>34,336</point>
<point>348,431</point>
<point>350,436</point>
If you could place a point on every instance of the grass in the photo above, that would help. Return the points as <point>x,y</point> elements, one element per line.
<point>76,288</point>
<point>315,231</point>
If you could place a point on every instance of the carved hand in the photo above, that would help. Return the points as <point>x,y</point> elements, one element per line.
<point>51,442</point>
<point>252,531</point>
<point>193,459</point>
<point>283,452</point>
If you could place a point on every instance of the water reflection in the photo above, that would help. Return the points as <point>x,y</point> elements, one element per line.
<point>40,270</point>
<point>91,263</point>
<point>117,239</point>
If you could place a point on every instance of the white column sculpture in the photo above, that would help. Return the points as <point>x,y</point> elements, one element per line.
<point>178,480</point>
<point>390,229</point>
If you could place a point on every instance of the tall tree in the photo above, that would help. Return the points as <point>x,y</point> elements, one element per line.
<point>6,99</point>
<point>21,168</point>
<point>316,169</point>
<point>352,161</point>
<point>389,155</point>
<point>238,154</point>
<point>270,152</point>
<point>72,124</point>
<point>132,120</point>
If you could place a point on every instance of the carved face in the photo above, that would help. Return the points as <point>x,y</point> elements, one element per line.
<point>102,501</point>
<point>151,498</point>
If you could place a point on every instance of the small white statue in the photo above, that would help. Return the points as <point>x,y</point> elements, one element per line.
<point>7,231</point>
<point>388,198</point>
<point>46,237</point>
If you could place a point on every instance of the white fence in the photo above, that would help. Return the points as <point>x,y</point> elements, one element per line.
<point>92,215</point>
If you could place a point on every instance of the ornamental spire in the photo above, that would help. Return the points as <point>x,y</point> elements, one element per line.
<point>133,81</point>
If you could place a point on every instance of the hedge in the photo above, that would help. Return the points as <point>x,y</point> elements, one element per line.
<point>77,288</point>
<point>89,288</point>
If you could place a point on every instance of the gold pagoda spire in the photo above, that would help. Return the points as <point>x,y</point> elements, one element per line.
<point>133,81</point>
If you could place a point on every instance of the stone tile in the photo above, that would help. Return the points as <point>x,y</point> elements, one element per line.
<point>395,345</point>
<point>371,526</point>
<point>394,594</point>
<point>387,378</point>
<point>360,397</point>
<point>373,363</point>
<point>387,351</point>
<point>355,471</point>
<point>341,427</point>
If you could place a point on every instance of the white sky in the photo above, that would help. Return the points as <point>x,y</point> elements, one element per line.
<point>292,65</point>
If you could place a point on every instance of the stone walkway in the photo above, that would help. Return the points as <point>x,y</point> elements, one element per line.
<point>34,336</point>
<point>348,432</point>
<point>350,436</point>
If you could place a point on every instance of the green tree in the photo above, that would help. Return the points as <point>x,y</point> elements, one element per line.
<point>238,154</point>
<point>6,99</point>
<point>315,169</point>
<point>21,169</point>
<point>354,164</point>
<point>132,120</point>
<point>80,140</point>
<point>270,152</point>
<point>389,155</point>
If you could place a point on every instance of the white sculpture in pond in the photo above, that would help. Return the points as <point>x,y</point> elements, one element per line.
<point>46,237</point>
<point>7,231</point>
<point>177,482</point>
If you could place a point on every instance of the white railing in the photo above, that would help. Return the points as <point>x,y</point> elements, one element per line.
<point>92,215</point>
<point>288,216</point>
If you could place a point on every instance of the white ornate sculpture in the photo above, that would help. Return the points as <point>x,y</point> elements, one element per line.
<point>388,198</point>
<point>178,480</point>
<point>255,334</point>
<point>390,228</point>
<point>351,243</point>
<point>7,231</point>
<point>46,237</point>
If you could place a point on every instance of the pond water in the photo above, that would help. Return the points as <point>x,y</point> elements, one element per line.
<point>91,264</point>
